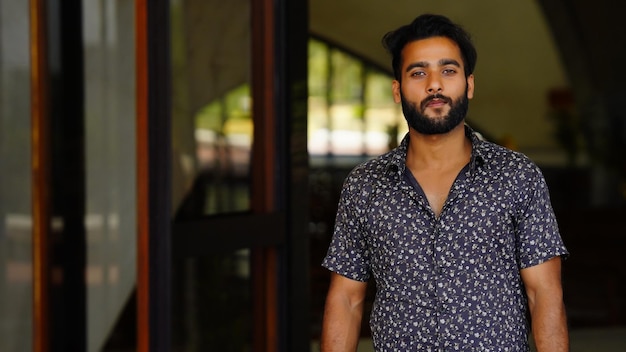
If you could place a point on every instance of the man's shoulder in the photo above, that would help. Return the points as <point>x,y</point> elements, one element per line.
<point>501,163</point>
<point>375,168</point>
<point>502,157</point>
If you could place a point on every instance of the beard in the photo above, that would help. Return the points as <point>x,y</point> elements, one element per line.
<point>417,119</point>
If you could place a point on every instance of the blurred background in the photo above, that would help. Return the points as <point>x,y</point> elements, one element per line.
<point>171,169</point>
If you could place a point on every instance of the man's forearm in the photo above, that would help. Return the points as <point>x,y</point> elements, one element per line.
<point>341,327</point>
<point>549,325</point>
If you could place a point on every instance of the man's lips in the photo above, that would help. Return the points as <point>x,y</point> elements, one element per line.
<point>435,101</point>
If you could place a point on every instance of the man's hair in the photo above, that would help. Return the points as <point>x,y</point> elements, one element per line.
<point>428,26</point>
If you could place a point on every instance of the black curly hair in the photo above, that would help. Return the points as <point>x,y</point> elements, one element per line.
<point>428,26</point>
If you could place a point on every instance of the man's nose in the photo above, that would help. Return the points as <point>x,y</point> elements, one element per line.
<point>434,85</point>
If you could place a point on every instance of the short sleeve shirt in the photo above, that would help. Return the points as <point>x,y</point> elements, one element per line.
<point>447,283</point>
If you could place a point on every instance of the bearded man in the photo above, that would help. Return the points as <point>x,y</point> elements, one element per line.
<point>458,233</point>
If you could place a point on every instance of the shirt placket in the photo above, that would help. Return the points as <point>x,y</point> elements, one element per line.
<point>422,202</point>
<point>441,252</point>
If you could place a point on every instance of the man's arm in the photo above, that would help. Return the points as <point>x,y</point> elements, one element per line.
<point>545,302</point>
<point>342,314</point>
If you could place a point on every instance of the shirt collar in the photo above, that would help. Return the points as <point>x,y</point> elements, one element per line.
<point>397,164</point>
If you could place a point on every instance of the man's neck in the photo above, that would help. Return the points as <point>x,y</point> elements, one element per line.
<point>438,151</point>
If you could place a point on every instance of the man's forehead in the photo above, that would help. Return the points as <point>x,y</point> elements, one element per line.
<point>432,50</point>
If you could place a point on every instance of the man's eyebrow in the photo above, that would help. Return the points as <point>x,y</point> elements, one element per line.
<point>444,62</point>
<point>424,64</point>
<point>420,64</point>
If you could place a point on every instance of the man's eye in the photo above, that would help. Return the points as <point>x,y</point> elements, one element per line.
<point>449,71</point>
<point>418,73</point>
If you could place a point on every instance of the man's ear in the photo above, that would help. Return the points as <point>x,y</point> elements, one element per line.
<point>470,86</point>
<point>395,88</point>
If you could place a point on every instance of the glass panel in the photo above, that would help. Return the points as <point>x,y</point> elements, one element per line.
<point>110,163</point>
<point>212,122</point>
<point>212,133</point>
<point>16,285</point>
<point>212,303</point>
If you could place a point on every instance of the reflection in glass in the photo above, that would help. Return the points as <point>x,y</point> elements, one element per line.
<point>16,286</point>
<point>211,117</point>
<point>110,163</point>
<point>212,303</point>
<point>223,136</point>
<point>212,133</point>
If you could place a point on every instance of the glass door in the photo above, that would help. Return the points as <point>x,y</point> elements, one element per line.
<point>232,176</point>
<point>212,136</point>
<point>16,216</point>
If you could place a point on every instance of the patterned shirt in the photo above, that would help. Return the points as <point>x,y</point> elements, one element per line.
<point>447,283</point>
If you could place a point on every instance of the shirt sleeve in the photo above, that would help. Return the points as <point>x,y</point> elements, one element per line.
<point>348,254</point>
<point>538,237</point>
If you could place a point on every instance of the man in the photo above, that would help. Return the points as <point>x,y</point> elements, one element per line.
<point>458,233</point>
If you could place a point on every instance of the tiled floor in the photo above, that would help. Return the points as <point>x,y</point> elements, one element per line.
<point>581,340</point>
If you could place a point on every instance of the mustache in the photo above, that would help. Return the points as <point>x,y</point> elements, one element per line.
<point>433,97</point>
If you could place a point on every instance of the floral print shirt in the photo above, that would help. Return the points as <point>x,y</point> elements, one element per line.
<point>447,283</point>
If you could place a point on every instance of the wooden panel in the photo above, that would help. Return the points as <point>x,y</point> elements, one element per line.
<point>143,240</point>
<point>40,172</point>
<point>153,175</point>
<point>265,260</point>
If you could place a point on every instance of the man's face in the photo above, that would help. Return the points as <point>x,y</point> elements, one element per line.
<point>434,91</point>
<point>422,123</point>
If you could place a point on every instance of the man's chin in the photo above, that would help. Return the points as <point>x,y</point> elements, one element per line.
<point>435,126</point>
<point>437,119</point>
<point>436,114</point>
